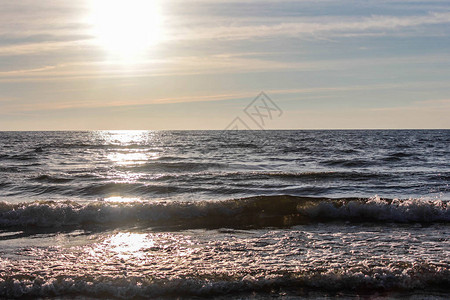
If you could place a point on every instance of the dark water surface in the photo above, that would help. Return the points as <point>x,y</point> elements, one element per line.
<point>249,214</point>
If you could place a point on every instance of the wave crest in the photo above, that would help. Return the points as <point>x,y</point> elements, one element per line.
<point>253,212</point>
<point>418,278</point>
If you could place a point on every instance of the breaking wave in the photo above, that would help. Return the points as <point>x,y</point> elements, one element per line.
<point>389,281</point>
<point>252,212</point>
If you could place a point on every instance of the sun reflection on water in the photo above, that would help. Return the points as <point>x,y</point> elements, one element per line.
<point>118,199</point>
<point>127,245</point>
<point>128,158</point>
<point>143,247</point>
<point>125,137</point>
<point>128,147</point>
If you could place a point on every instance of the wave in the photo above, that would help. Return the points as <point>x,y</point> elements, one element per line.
<point>401,154</point>
<point>124,187</point>
<point>397,282</point>
<point>7,169</point>
<point>82,145</point>
<point>253,212</point>
<point>324,175</point>
<point>348,163</point>
<point>262,175</point>
<point>173,166</point>
<point>52,179</point>
<point>31,154</point>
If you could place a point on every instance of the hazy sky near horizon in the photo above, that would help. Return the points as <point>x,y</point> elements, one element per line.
<point>96,64</point>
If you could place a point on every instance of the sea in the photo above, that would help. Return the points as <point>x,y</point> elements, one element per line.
<point>234,214</point>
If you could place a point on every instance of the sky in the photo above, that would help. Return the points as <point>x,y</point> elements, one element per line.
<point>201,64</point>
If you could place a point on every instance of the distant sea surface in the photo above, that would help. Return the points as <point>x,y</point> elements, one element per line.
<point>225,214</point>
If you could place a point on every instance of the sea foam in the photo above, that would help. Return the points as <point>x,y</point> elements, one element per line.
<point>260,211</point>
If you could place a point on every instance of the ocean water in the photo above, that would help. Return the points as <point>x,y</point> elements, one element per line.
<point>225,214</point>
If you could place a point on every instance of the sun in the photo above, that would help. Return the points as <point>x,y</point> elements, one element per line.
<point>126,28</point>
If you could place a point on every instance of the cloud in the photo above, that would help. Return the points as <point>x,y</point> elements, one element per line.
<point>316,26</point>
<point>187,65</point>
<point>41,47</point>
<point>429,104</point>
<point>82,104</point>
<point>11,40</point>
<point>237,63</point>
<point>16,107</point>
<point>435,102</point>
<point>60,26</point>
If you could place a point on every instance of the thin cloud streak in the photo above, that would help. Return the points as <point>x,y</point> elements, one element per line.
<point>42,47</point>
<point>343,26</point>
<point>82,104</point>
<point>197,65</point>
<point>296,29</point>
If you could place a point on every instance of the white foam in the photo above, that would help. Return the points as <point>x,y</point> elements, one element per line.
<point>377,209</point>
<point>228,213</point>
<point>125,288</point>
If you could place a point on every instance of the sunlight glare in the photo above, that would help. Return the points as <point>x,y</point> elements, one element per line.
<point>126,28</point>
<point>118,199</point>
<point>126,245</point>
<point>133,158</point>
<point>125,137</point>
